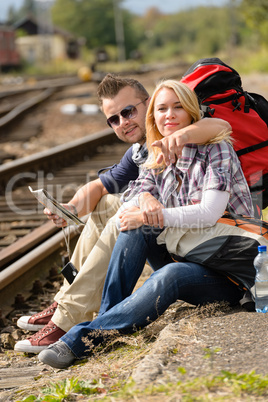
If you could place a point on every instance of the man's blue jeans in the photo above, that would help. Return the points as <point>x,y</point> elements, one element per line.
<point>120,310</point>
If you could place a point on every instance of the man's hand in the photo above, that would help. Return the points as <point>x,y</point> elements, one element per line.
<point>130,218</point>
<point>171,147</point>
<point>151,210</point>
<point>201,132</point>
<point>59,222</point>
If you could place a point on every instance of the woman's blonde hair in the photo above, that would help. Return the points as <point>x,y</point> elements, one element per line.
<point>189,102</point>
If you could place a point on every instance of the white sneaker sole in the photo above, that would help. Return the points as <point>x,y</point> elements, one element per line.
<point>21,346</point>
<point>23,324</point>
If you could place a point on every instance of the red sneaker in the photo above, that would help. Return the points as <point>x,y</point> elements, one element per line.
<point>38,320</point>
<point>41,340</point>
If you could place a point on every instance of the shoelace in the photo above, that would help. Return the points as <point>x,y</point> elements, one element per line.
<point>43,332</point>
<point>61,349</point>
<point>47,311</point>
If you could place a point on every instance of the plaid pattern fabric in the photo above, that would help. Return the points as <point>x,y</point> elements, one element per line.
<point>201,167</point>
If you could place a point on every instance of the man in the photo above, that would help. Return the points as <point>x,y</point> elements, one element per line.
<point>124,102</point>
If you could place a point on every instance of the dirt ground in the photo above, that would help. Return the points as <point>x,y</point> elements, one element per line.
<point>184,344</point>
<point>203,341</point>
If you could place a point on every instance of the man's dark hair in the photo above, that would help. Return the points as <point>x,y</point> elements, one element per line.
<point>112,84</point>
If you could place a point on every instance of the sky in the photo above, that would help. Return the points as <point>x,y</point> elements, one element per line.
<point>135,6</point>
<point>168,6</point>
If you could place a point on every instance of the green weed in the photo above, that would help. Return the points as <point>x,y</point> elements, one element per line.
<point>210,354</point>
<point>64,390</point>
<point>224,387</point>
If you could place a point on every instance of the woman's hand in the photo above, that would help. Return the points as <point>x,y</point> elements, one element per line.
<point>130,218</point>
<point>151,210</point>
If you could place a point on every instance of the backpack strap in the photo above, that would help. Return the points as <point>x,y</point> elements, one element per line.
<point>252,148</point>
<point>247,103</point>
<point>251,102</point>
<point>205,105</point>
<point>258,103</point>
<point>241,220</point>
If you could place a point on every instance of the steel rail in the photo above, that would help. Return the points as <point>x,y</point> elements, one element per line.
<point>26,105</point>
<point>32,258</point>
<point>58,154</point>
<point>42,244</point>
<point>58,82</point>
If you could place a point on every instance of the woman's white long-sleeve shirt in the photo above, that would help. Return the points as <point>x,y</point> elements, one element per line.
<point>206,181</point>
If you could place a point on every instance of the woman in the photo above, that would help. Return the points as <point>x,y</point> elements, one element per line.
<point>193,192</point>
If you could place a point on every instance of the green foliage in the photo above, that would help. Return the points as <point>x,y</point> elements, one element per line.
<point>203,31</point>
<point>250,383</point>
<point>88,19</point>
<point>181,370</point>
<point>27,8</point>
<point>257,61</point>
<point>228,384</point>
<point>240,27</point>
<point>20,33</point>
<point>65,389</point>
<point>256,16</point>
<point>231,385</point>
<point>210,354</point>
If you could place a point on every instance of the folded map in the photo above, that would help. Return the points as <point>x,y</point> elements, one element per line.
<point>55,207</point>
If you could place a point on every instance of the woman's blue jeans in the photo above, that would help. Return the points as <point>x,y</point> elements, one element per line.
<point>126,312</point>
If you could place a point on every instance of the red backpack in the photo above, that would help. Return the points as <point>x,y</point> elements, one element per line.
<point>220,93</point>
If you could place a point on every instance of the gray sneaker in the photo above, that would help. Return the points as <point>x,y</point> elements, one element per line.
<point>57,355</point>
<point>247,301</point>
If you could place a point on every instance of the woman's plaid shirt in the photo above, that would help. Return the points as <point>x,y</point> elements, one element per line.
<point>201,167</point>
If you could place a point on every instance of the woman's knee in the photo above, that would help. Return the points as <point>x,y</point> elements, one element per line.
<point>182,273</point>
<point>166,273</point>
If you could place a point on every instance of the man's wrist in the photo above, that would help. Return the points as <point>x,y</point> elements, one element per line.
<point>74,210</point>
<point>185,134</point>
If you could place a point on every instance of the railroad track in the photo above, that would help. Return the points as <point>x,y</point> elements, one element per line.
<point>30,245</point>
<point>15,103</point>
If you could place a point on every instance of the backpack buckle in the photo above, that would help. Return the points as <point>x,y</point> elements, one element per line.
<point>236,104</point>
<point>207,110</point>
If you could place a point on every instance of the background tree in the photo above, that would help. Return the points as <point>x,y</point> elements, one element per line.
<point>256,16</point>
<point>94,20</point>
<point>237,29</point>
<point>27,8</point>
<point>11,15</point>
<point>199,32</point>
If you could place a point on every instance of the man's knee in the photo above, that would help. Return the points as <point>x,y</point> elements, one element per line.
<point>108,204</point>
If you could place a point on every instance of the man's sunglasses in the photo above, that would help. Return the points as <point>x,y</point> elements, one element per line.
<point>129,112</point>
